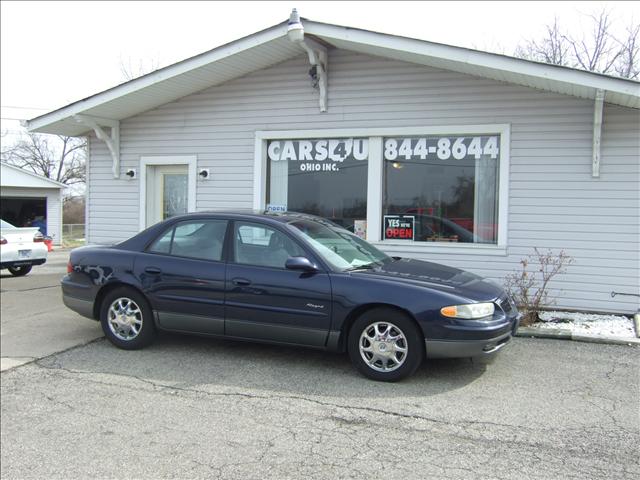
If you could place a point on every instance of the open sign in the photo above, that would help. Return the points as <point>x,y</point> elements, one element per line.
<point>399,227</point>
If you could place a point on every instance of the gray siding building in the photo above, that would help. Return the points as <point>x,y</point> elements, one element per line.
<point>430,151</point>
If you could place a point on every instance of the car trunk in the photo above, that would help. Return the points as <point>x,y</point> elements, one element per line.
<point>19,235</point>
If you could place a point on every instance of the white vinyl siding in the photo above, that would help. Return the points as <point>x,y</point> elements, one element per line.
<point>553,200</point>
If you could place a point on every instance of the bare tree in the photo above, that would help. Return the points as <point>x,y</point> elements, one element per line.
<point>130,69</point>
<point>63,163</point>
<point>628,64</point>
<point>597,50</point>
<point>553,48</point>
<point>73,209</point>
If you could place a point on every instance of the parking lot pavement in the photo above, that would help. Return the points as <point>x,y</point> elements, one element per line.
<point>189,407</point>
<point>34,322</point>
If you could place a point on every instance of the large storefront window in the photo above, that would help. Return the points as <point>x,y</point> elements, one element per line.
<point>427,186</point>
<point>441,188</point>
<point>321,177</point>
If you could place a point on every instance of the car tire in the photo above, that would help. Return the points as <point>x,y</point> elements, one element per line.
<point>127,319</point>
<point>20,271</point>
<point>385,360</point>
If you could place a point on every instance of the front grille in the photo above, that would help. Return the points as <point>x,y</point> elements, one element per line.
<point>506,304</point>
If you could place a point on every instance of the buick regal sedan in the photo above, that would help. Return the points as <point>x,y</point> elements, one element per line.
<point>290,279</point>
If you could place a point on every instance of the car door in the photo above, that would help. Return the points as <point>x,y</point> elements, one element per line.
<point>183,275</point>
<point>266,301</point>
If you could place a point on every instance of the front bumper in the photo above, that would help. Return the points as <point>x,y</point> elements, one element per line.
<point>473,341</point>
<point>466,348</point>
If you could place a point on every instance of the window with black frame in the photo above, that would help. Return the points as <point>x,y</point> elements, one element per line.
<point>441,188</point>
<point>325,177</point>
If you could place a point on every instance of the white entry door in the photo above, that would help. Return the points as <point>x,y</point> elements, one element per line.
<point>167,192</point>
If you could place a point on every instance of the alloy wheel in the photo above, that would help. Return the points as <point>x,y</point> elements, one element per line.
<point>383,346</point>
<point>124,318</point>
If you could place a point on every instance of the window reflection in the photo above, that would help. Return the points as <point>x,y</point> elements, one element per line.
<point>174,195</point>
<point>327,178</point>
<point>452,199</point>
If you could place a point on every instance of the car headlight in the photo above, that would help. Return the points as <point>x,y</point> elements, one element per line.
<point>469,311</point>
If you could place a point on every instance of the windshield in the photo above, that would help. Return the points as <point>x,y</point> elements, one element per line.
<point>5,225</point>
<point>339,248</point>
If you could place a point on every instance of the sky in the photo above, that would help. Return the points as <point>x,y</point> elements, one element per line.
<point>54,53</point>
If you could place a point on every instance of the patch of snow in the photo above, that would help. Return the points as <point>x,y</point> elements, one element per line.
<point>588,324</point>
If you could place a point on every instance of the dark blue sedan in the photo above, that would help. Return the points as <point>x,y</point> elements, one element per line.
<point>291,279</point>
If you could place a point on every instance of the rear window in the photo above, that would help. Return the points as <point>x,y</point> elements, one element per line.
<point>5,225</point>
<point>201,239</point>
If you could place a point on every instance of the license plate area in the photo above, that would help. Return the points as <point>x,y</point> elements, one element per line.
<point>24,254</point>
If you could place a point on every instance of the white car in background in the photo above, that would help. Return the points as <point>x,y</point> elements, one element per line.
<point>21,248</point>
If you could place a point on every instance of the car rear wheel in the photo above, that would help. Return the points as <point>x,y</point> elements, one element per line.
<point>20,271</point>
<point>385,345</point>
<point>127,319</point>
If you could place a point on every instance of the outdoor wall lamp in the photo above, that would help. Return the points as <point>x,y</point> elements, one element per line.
<point>295,30</point>
<point>131,174</point>
<point>204,173</point>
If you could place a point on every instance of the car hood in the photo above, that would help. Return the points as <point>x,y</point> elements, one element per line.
<point>435,276</point>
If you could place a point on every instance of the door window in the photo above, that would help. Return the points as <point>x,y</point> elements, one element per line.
<point>195,239</point>
<point>263,246</point>
<point>167,192</point>
<point>174,194</point>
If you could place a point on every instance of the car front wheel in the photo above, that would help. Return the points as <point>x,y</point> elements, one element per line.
<point>20,271</point>
<point>385,345</point>
<point>126,319</point>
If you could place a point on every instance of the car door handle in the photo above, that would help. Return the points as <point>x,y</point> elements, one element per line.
<point>153,270</point>
<point>241,282</point>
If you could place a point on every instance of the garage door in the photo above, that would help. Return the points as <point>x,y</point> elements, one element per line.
<point>25,212</point>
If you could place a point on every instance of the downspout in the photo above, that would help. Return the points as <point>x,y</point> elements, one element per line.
<point>317,54</point>
<point>597,133</point>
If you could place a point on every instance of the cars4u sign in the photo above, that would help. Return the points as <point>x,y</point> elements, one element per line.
<point>319,155</point>
<point>399,227</point>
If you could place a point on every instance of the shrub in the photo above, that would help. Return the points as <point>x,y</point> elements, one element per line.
<point>529,288</point>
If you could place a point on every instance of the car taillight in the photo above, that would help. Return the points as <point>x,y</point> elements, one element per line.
<point>3,241</point>
<point>38,237</point>
<point>69,267</point>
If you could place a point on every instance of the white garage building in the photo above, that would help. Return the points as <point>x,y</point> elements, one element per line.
<point>461,157</point>
<point>25,196</point>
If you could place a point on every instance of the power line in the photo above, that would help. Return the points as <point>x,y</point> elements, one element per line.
<point>24,108</point>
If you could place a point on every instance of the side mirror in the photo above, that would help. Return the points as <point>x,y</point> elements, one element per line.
<point>300,263</point>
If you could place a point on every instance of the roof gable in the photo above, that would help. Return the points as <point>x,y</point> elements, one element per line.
<point>272,46</point>
<point>12,176</point>
<point>528,73</point>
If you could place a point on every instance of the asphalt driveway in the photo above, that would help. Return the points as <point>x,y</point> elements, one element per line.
<point>34,322</point>
<point>189,407</point>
